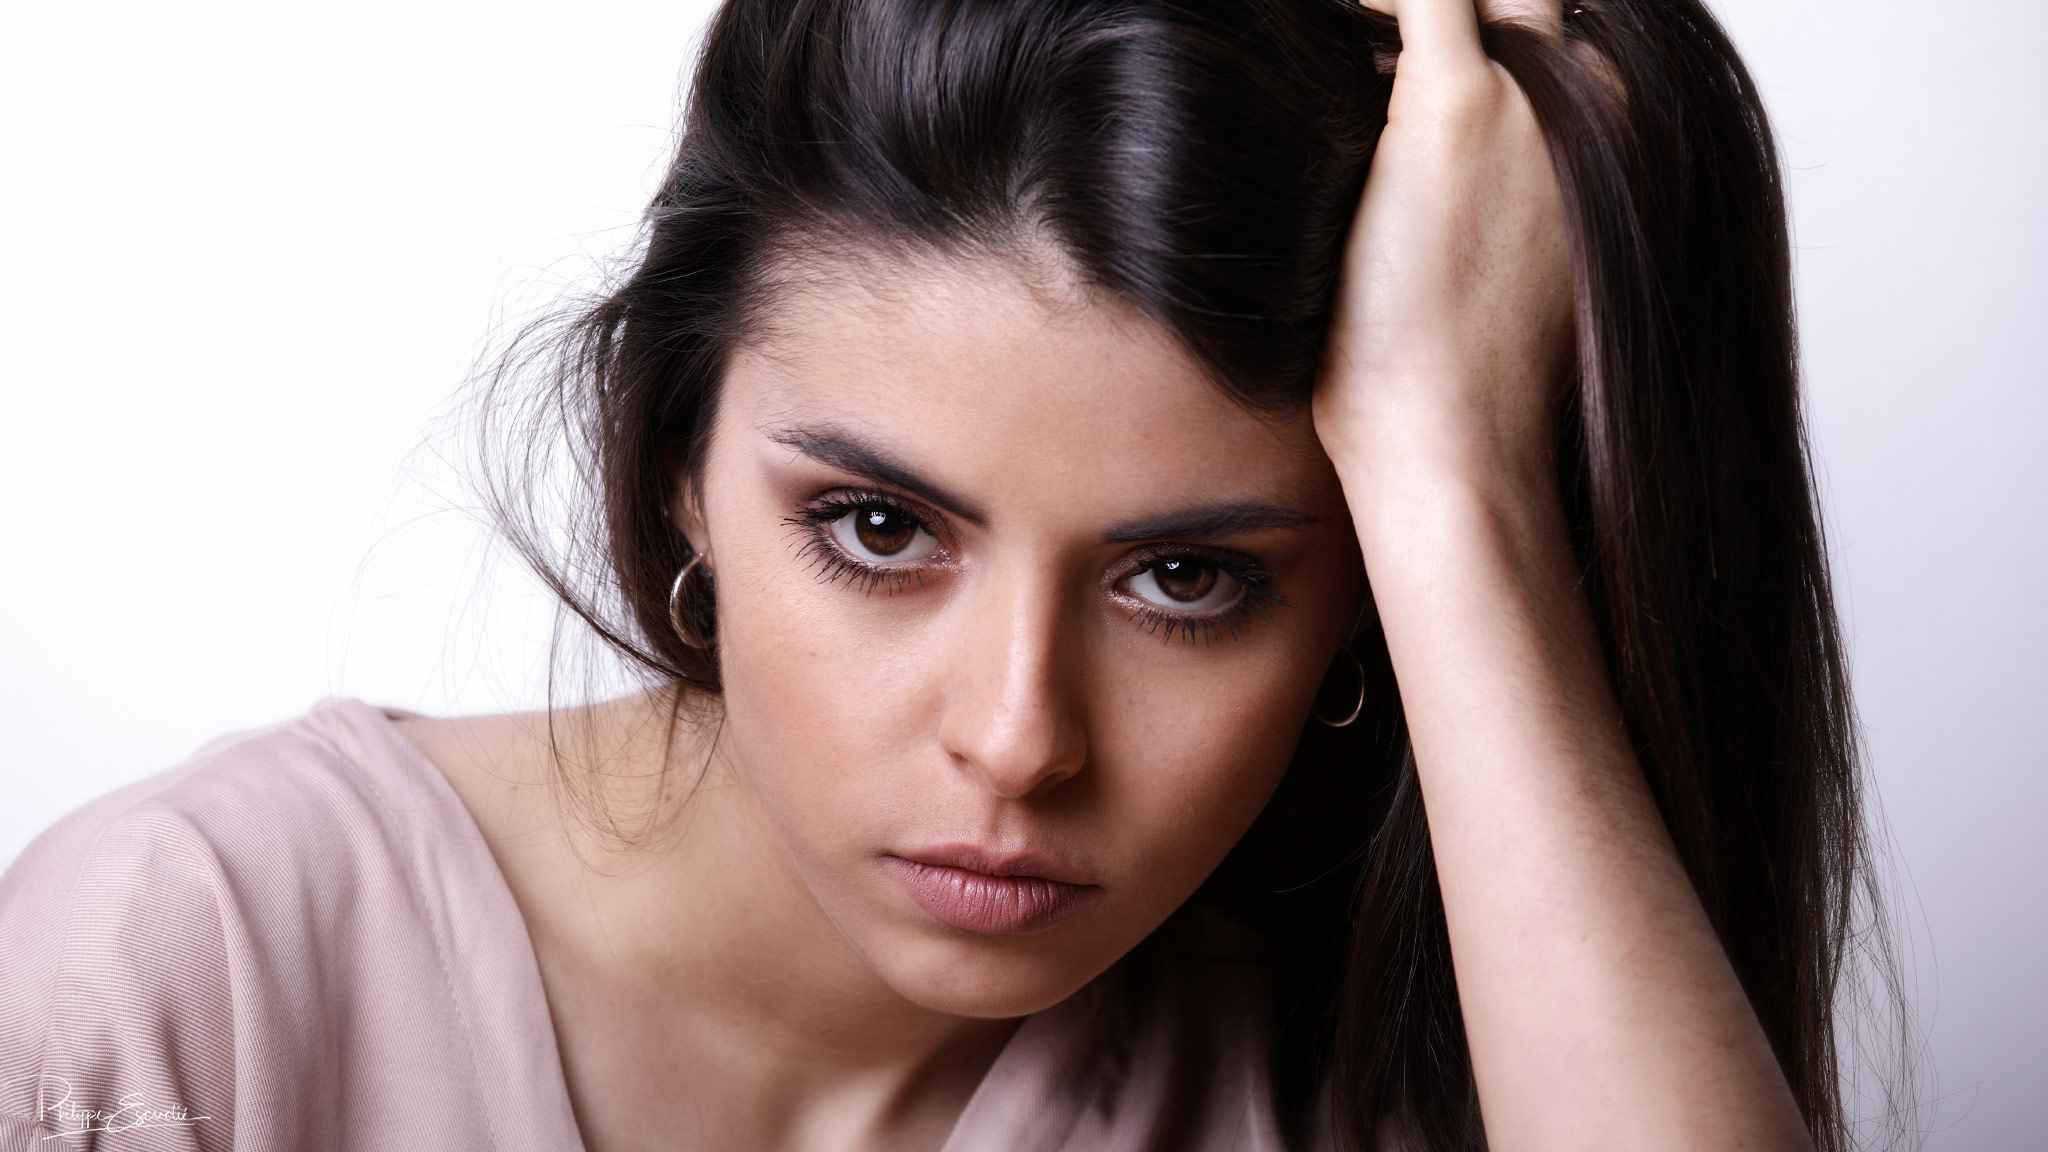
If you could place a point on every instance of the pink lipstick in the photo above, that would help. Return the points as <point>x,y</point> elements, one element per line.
<point>983,892</point>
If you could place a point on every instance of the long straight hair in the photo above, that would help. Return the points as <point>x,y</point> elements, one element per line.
<point>1200,160</point>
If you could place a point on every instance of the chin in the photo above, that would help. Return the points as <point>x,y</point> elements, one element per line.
<point>988,976</point>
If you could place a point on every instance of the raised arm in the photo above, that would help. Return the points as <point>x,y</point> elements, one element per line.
<point>1599,1006</point>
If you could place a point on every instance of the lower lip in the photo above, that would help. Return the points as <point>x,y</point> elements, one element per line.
<point>998,905</point>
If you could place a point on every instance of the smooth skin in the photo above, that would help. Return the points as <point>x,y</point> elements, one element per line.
<point>1600,1008</point>
<point>752,977</point>
<point>758,977</point>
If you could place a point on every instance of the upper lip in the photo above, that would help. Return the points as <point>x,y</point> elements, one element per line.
<point>996,862</point>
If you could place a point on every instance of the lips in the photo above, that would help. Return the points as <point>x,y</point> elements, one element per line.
<point>978,891</point>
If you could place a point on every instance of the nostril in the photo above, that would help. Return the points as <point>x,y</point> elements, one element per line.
<point>1016,753</point>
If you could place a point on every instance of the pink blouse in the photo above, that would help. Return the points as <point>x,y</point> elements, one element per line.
<point>298,939</point>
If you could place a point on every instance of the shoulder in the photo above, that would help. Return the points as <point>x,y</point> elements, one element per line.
<point>117,980</point>
<point>291,800</point>
<point>142,927</point>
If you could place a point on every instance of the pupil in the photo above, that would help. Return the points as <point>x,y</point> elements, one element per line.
<point>883,531</point>
<point>1184,580</point>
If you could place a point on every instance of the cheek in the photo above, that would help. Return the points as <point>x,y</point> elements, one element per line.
<point>827,704</point>
<point>1190,749</point>
<point>835,702</point>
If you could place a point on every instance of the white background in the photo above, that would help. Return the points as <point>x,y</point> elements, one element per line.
<point>251,251</point>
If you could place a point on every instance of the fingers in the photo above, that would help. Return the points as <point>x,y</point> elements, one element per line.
<point>1436,32</point>
<point>1542,15</point>
<point>1448,30</point>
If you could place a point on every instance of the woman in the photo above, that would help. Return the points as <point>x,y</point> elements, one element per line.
<point>1157,637</point>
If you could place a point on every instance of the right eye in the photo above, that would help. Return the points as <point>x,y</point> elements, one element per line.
<point>883,534</point>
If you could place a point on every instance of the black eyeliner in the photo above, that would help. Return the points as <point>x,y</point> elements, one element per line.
<point>813,521</point>
<point>834,565</point>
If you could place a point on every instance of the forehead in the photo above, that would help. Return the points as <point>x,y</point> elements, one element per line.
<point>999,372</point>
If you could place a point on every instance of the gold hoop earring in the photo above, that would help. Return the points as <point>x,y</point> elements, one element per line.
<point>686,632</point>
<point>1358,706</point>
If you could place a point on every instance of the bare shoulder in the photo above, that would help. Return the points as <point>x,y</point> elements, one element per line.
<point>499,765</point>
<point>528,777</point>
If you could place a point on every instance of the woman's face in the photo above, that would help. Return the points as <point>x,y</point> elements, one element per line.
<point>1019,617</point>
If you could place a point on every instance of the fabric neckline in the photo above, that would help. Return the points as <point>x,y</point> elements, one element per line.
<point>1027,1089</point>
<point>446,841</point>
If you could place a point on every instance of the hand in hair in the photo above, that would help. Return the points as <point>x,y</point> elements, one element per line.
<point>1454,322</point>
<point>1599,1006</point>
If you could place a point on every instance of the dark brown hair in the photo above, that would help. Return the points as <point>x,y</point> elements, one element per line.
<point>1201,160</point>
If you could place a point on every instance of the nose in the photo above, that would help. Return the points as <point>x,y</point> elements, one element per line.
<point>1013,718</point>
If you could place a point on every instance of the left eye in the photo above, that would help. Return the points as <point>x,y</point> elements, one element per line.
<point>880,534</point>
<point>1184,584</point>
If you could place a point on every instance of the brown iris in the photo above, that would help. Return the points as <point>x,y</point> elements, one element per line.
<point>883,531</point>
<point>1184,580</point>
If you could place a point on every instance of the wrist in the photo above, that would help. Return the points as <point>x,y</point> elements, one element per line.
<point>1426,461</point>
<point>1475,422</point>
<point>1420,500</point>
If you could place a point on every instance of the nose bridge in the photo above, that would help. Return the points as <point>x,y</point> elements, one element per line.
<point>1012,718</point>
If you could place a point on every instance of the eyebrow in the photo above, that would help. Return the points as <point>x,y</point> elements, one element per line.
<point>837,448</point>
<point>1211,522</point>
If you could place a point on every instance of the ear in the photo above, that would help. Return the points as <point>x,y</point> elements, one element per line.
<point>685,510</point>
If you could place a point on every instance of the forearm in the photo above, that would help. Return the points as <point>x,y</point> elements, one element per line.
<point>1599,1006</point>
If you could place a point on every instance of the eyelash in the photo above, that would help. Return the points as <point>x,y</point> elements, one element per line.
<point>1229,624</point>
<point>833,565</point>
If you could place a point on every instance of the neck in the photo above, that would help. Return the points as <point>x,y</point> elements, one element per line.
<point>682,938</point>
